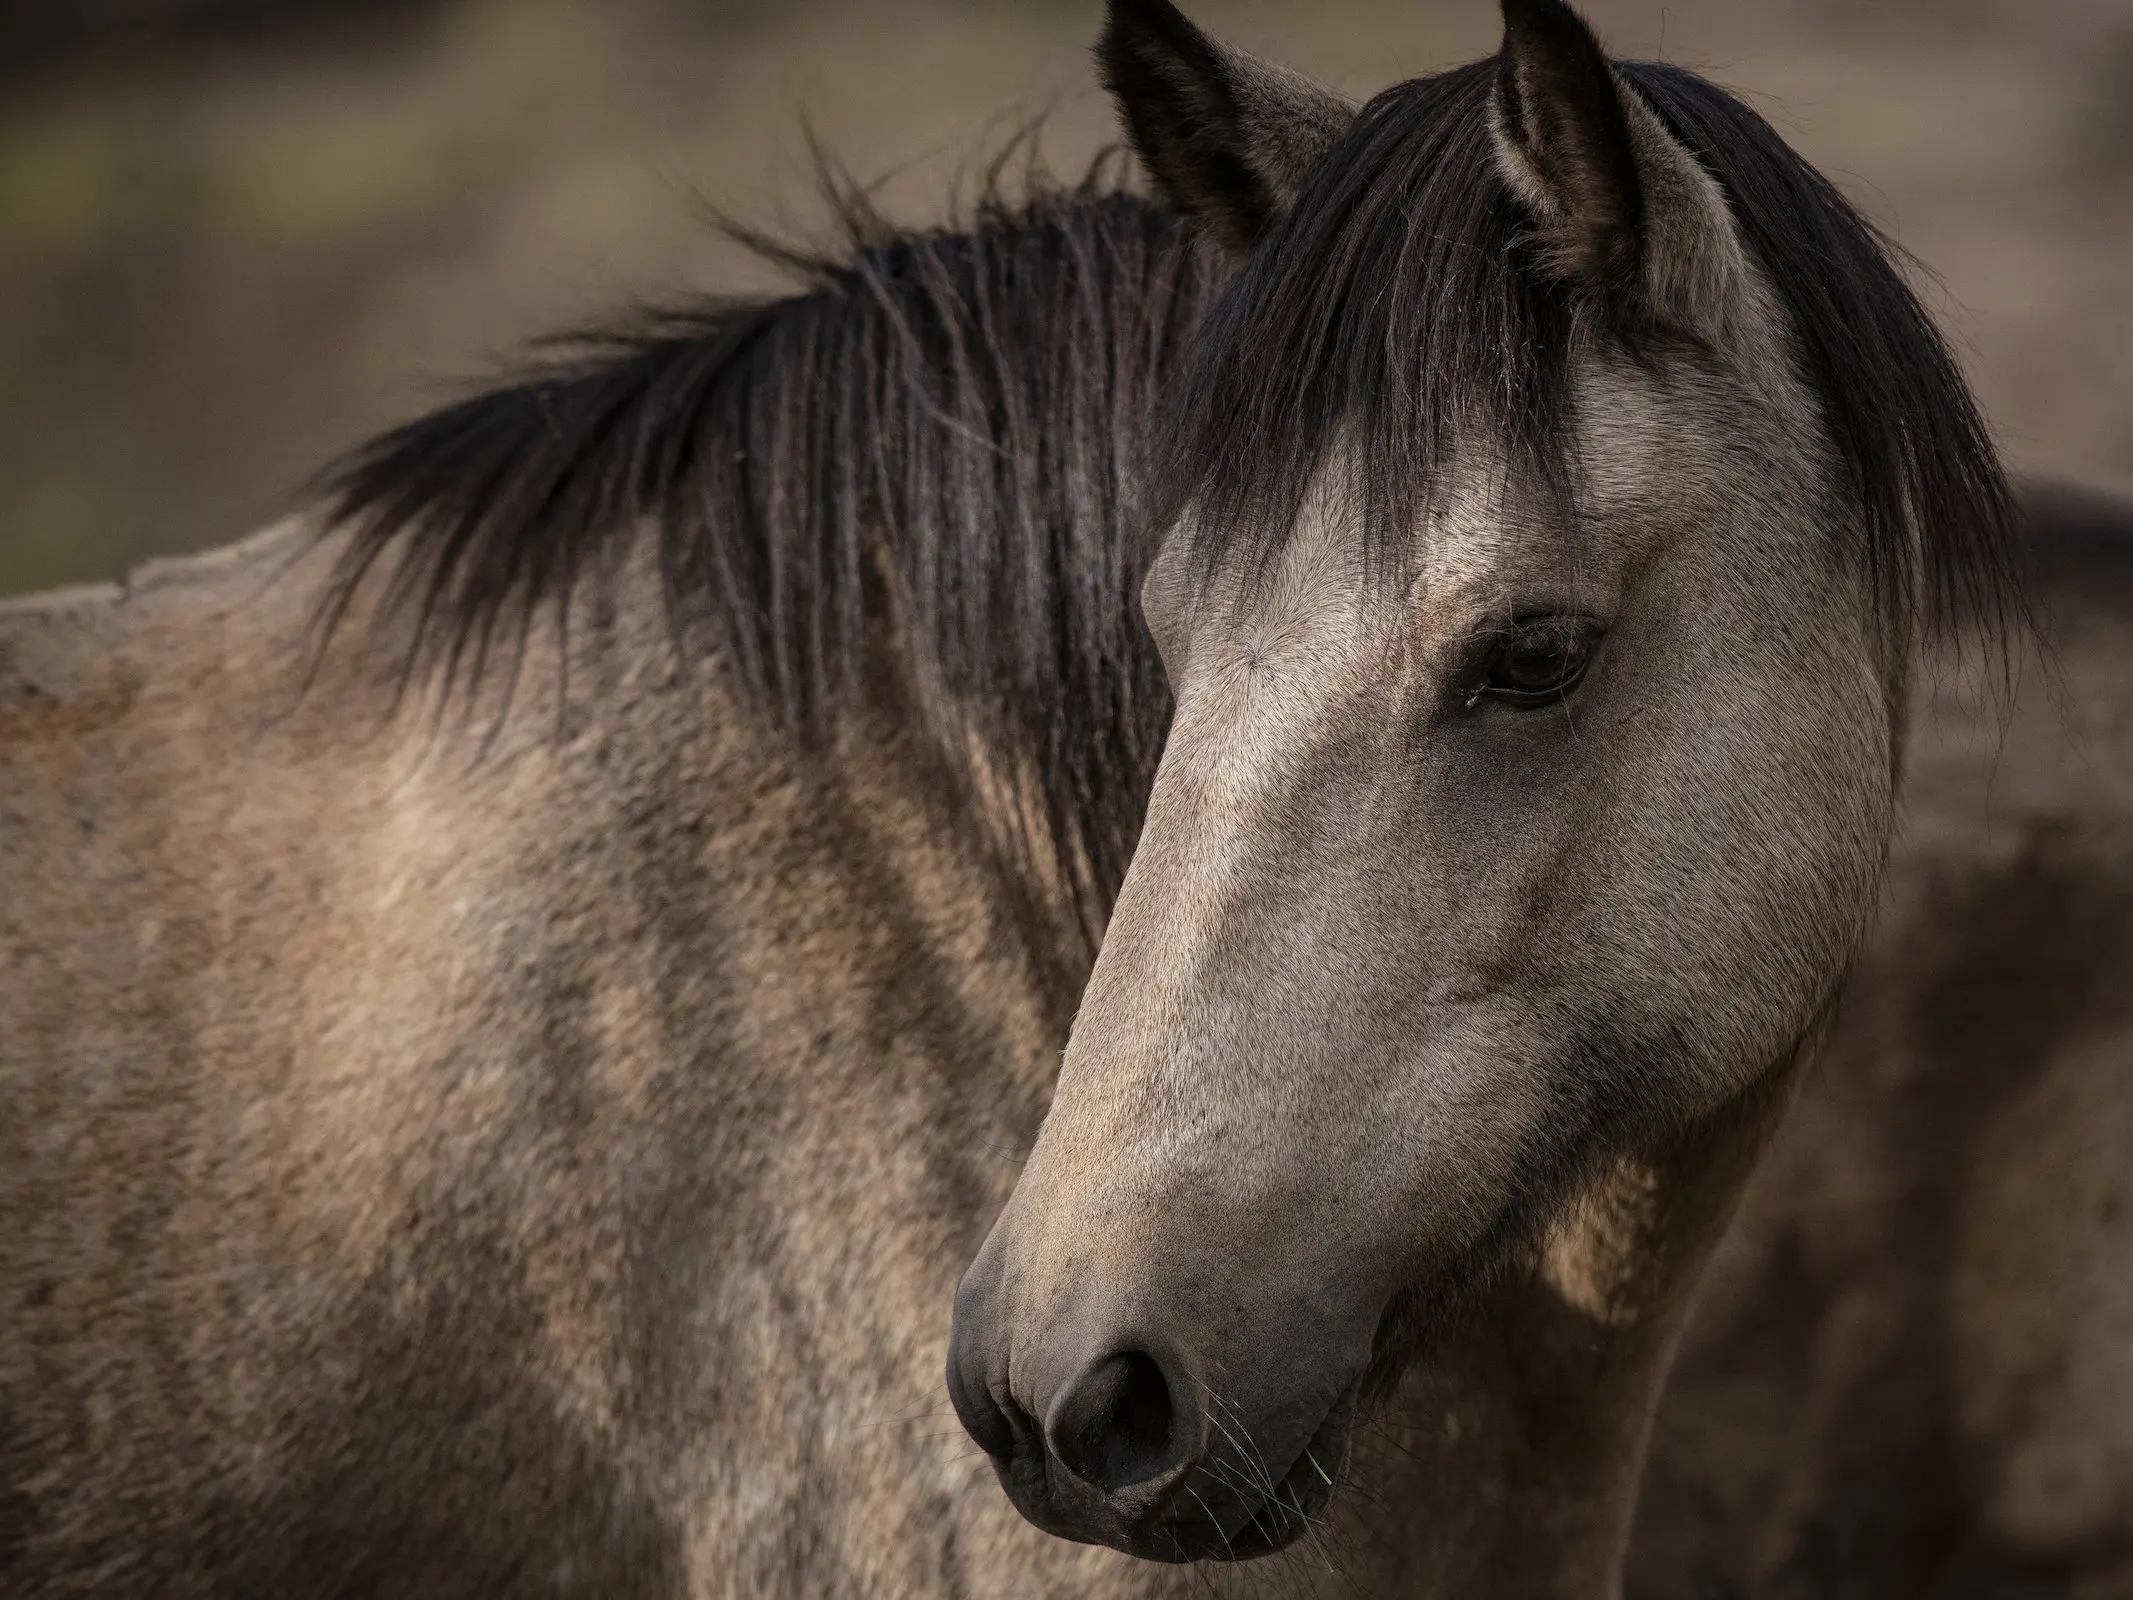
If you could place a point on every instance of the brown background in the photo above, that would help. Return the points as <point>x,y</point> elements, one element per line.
<point>236,235</point>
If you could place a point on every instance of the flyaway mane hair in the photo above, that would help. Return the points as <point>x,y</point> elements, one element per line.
<point>954,425</point>
<point>961,413</point>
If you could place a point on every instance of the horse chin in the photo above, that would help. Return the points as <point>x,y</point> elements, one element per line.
<point>1205,1518</point>
<point>1303,1492</point>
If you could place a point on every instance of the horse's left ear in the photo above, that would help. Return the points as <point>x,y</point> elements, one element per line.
<point>1229,139</point>
<point>1619,204</point>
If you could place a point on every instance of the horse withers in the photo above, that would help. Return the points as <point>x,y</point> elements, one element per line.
<point>526,988</point>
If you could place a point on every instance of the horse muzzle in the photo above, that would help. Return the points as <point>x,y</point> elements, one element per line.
<point>1104,1429</point>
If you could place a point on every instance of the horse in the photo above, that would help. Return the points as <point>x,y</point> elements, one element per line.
<point>1199,835</point>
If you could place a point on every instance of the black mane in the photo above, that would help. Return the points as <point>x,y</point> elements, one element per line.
<point>965,416</point>
<point>1400,303</point>
<point>965,413</point>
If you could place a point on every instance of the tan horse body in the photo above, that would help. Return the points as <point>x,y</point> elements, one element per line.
<point>532,1149</point>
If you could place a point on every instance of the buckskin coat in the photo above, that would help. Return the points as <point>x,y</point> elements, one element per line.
<point>529,1145</point>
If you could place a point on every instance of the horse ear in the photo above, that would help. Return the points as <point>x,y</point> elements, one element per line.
<point>1619,204</point>
<point>1229,139</point>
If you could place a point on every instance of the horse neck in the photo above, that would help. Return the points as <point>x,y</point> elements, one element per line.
<point>1527,1429</point>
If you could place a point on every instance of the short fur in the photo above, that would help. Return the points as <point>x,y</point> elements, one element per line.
<point>956,417</point>
<point>540,1164</point>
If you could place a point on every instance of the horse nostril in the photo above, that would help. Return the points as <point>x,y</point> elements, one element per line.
<point>1115,1427</point>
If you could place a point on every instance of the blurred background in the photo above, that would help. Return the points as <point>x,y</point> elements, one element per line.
<point>238,235</point>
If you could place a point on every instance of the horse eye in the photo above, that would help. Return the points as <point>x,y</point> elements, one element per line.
<point>1539,660</point>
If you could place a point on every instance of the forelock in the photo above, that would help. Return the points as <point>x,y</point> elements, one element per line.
<point>1400,313</point>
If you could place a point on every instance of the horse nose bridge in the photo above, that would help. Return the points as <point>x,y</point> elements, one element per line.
<point>1209,929</point>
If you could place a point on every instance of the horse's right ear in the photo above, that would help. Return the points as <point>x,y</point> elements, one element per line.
<point>1229,139</point>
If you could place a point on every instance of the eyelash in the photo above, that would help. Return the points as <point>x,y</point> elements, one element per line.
<point>1573,641</point>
